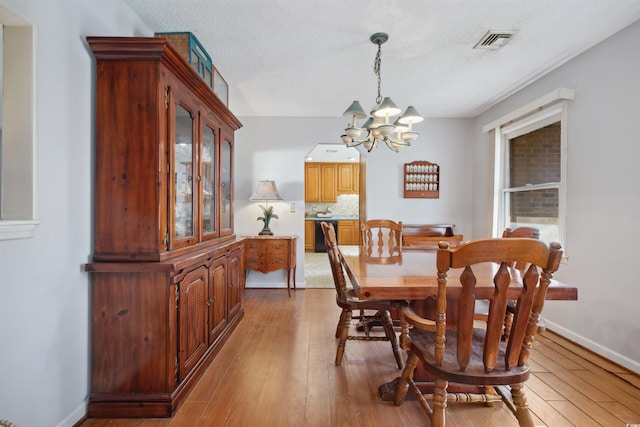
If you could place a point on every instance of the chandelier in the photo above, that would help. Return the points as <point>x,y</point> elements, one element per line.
<point>377,127</point>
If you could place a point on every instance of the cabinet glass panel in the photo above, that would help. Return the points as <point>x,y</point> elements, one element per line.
<point>225,185</point>
<point>183,174</point>
<point>208,161</point>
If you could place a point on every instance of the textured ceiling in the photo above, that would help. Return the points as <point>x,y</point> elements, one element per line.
<point>312,58</point>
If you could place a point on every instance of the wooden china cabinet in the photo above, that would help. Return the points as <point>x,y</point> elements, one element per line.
<point>167,271</point>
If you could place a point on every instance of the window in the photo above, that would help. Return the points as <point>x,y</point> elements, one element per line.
<point>17,129</point>
<point>530,165</point>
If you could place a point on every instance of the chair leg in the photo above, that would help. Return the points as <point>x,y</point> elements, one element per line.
<point>340,322</point>
<point>542,325</point>
<point>407,374</point>
<point>344,335</point>
<point>522,407</point>
<point>439,403</point>
<point>387,324</point>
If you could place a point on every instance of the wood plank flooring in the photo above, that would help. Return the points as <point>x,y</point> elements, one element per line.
<point>277,370</point>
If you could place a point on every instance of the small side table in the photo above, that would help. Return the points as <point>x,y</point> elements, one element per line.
<point>271,253</point>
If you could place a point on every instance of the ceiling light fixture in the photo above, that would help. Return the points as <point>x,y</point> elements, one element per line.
<point>377,126</point>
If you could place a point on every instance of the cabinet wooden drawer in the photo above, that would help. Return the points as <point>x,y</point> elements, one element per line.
<point>255,252</point>
<point>278,262</point>
<point>256,246</point>
<point>279,249</point>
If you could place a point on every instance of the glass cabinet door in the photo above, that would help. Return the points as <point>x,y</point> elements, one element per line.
<point>226,208</point>
<point>183,162</point>
<point>208,175</point>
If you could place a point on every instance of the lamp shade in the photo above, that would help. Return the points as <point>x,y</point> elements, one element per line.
<point>266,190</point>
<point>410,116</point>
<point>387,107</point>
<point>355,110</point>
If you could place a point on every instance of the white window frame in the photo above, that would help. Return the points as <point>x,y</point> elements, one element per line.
<point>542,112</point>
<point>18,182</point>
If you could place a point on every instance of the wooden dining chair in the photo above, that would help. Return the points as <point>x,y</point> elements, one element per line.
<point>522,232</point>
<point>348,301</point>
<point>461,352</point>
<point>381,237</point>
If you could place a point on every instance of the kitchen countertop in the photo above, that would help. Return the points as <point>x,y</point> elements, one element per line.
<point>332,218</point>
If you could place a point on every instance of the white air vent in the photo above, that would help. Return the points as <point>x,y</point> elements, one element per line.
<point>494,39</point>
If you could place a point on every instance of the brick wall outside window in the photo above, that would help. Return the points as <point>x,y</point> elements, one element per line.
<point>535,159</point>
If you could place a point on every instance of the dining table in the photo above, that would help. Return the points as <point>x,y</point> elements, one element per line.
<point>411,275</point>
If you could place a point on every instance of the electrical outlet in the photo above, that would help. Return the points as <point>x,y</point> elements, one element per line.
<point>292,208</point>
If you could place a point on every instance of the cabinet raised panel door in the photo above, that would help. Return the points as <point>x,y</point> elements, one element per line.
<point>348,178</point>
<point>193,319</point>
<point>320,182</point>
<point>329,183</point>
<point>217,302</point>
<point>348,232</point>
<point>312,179</point>
<point>309,235</point>
<point>235,283</point>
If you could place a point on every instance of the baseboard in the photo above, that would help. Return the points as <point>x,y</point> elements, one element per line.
<point>76,417</point>
<point>605,352</point>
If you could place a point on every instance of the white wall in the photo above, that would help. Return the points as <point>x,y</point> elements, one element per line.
<point>44,292</point>
<point>447,142</point>
<point>603,194</point>
<point>274,148</point>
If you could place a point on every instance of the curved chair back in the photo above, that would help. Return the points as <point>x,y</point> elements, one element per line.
<point>542,260</point>
<point>331,243</point>
<point>381,237</point>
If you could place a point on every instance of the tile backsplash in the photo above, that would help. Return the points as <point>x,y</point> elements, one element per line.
<point>347,204</point>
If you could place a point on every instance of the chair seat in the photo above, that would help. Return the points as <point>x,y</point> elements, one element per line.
<point>423,343</point>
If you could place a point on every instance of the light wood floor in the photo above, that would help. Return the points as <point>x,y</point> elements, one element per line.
<point>277,370</point>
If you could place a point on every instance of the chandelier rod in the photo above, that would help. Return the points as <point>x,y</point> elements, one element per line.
<point>379,39</point>
<point>376,69</point>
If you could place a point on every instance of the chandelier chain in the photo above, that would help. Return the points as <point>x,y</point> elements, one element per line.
<point>376,69</point>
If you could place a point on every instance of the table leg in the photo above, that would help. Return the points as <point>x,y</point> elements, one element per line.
<point>294,278</point>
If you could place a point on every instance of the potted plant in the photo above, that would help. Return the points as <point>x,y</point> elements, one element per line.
<point>267,215</point>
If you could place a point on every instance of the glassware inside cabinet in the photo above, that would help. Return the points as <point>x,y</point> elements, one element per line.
<point>207,163</point>
<point>225,185</point>
<point>183,174</point>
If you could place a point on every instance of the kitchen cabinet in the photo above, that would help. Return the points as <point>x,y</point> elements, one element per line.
<point>320,182</point>
<point>348,232</point>
<point>348,178</point>
<point>167,270</point>
<point>309,236</point>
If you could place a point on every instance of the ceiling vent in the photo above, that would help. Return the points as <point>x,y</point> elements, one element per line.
<point>494,39</point>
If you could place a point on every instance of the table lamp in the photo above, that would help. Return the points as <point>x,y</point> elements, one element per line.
<point>266,191</point>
